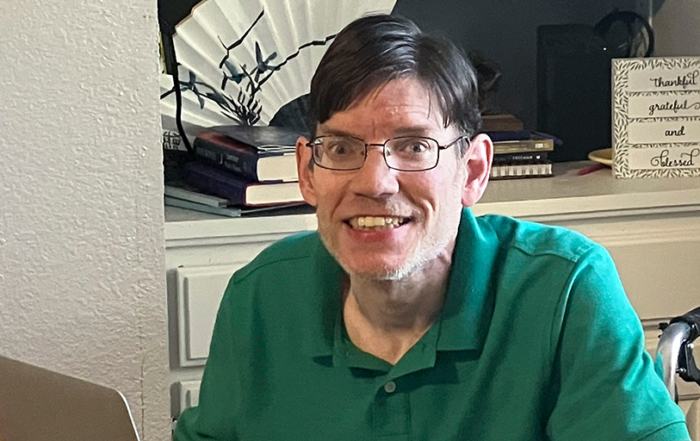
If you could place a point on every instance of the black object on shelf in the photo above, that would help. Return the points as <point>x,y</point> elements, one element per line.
<point>574,79</point>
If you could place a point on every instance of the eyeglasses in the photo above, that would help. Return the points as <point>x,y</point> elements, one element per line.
<point>405,153</point>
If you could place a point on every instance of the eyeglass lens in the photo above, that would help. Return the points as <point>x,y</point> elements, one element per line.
<point>404,153</point>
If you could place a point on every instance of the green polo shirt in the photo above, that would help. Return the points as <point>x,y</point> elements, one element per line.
<point>537,341</point>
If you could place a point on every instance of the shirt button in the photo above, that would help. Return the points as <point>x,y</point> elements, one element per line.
<point>390,387</point>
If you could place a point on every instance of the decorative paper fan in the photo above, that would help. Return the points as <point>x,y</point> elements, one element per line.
<point>240,61</point>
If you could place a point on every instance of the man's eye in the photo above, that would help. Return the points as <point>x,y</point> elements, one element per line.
<point>413,146</point>
<point>418,147</point>
<point>339,148</point>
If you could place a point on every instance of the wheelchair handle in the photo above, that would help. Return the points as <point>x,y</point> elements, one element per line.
<point>668,352</point>
<point>692,319</point>
<point>674,354</point>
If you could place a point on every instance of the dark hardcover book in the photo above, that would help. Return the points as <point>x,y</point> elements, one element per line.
<point>247,160</point>
<point>507,158</point>
<point>522,141</point>
<point>509,135</point>
<point>214,180</point>
<point>264,138</point>
<point>534,144</point>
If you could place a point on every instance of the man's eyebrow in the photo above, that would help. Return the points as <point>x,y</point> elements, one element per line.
<point>401,131</point>
<point>335,132</point>
<point>413,130</point>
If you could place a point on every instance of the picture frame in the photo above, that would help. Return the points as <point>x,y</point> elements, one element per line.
<point>656,117</point>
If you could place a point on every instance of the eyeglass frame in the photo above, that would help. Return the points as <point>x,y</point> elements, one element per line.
<point>311,145</point>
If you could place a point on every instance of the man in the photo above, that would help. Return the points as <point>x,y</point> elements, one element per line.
<point>405,317</point>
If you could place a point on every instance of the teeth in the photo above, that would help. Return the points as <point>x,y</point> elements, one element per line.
<point>375,222</point>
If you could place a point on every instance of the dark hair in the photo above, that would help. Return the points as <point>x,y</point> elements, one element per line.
<point>374,50</point>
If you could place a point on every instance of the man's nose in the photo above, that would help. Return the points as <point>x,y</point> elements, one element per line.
<point>375,178</point>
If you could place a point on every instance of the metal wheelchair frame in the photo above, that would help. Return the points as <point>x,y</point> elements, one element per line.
<point>674,353</point>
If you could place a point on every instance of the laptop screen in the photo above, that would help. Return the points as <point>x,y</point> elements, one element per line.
<point>41,405</point>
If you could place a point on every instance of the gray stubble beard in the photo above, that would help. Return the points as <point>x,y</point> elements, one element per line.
<point>395,275</point>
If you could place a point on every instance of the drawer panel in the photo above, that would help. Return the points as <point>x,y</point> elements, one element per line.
<point>660,278</point>
<point>189,395</point>
<point>199,292</point>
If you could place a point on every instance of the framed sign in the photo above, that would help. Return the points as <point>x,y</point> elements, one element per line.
<point>656,117</point>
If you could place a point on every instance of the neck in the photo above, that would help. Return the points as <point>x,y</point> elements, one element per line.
<point>387,317</point>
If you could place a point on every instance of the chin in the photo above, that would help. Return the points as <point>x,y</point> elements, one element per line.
<point>388,276</point>
<point>375,266</point>
<point>382,271</point>
<point>376,273</point>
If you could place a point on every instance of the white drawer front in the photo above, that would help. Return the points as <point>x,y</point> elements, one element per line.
<point>199,292</point>
<point>189,395</point>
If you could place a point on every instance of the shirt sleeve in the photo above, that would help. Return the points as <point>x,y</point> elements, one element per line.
<point>605,383</point>
<point>212,419</point>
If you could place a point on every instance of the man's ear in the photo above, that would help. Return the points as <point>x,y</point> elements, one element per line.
<point>478,163</point>
<point>306,171</point>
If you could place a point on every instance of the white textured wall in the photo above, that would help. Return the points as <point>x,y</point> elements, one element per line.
<point>82,282</point>
<point>677,28</point>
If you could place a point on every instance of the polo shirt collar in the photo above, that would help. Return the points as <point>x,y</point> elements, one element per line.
<point>468,306</point>
<point>325,303</point>
<point>469,301</point>
<point>346,354</point>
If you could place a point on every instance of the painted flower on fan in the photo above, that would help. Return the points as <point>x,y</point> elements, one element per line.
<point>233,75</point>
<point>263,64</point>
<point>242,106</point>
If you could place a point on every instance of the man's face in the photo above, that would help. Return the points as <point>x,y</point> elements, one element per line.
<point>423,209</point>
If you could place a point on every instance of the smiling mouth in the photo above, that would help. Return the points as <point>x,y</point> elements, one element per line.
<point>376,222</point>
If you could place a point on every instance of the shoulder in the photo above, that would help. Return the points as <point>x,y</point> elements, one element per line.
<point>552,259</point>
<point>541,269</point>
<point>295,250</point>
<point>539,240</point>
<point>278,286</point>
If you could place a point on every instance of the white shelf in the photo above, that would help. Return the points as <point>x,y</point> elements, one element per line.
<point>564,196</point>
<point>592,195</point>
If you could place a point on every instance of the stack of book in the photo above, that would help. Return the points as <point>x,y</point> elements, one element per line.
<point>518,153</point>
<point>239,169</point>
<point>521,154</point>
<point>180,195</point>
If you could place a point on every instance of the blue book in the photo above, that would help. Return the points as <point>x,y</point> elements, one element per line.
<point>264,163</point>
<point>240,191</point>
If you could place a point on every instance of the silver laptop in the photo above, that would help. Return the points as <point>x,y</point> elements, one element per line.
<point>40,405</point>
